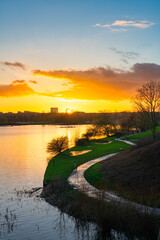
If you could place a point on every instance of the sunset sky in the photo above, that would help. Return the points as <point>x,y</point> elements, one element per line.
<point>85,55</point>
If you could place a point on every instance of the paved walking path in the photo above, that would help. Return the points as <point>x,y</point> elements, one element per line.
<point>126,141</point>
<point>78,181</point>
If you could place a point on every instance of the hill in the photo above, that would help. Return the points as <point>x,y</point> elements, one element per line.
<point>135,174</point>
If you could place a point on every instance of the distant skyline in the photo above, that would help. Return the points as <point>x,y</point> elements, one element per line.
<point>88,55</point>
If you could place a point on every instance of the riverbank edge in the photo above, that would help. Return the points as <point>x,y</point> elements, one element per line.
<point>33,124</point>
<point>107,215</point>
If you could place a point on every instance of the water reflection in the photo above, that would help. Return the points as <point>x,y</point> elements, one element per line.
<point>76,153</point>
<point>22,166</point>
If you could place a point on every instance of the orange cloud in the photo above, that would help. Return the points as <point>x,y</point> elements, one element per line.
<point>33,81</point>
<point>92,84</point>
<point>103,83</point>
<point>18,82</point>
<point>16,90</point>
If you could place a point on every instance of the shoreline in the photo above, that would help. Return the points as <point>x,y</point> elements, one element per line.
<point>107,216</point>
<point>32,124</point>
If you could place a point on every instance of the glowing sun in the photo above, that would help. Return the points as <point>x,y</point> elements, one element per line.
<point>68,110</point>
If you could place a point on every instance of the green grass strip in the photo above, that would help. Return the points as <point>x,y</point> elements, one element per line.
<point>94,176</point>
<point>62,165</point>
<point>138,136</point>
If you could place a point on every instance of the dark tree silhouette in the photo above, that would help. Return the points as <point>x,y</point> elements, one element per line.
<point>147,102</point>
<point>104,125</point>
<point>90,132</point>
<point>58,145</point>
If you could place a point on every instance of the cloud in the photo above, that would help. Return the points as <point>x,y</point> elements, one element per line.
<point>119,30</point>
<point>125,56</point>
<point>15,64</point>
<point>103,83</point>
<point>123,25</point>
<point>139,24</point>
<point>18,82</point>
<point>16,89</point>
<point>23,81</point>
<point>91,84</point>
<point>33,81</point>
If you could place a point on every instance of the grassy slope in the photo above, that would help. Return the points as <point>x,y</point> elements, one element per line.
<point>95,177</point>
<point>62,164</point>
<point>136,137</point>
<point>133,173</point>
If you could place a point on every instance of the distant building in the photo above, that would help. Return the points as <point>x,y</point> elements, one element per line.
<point>54,110</point>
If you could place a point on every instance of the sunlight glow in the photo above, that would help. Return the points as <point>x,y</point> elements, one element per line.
<point>68,110</point>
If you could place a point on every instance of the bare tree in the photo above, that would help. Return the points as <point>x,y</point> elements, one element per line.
<point>57,145</point>
<point>90,132</point>
<point>147,102</point>
<point>105,125</point>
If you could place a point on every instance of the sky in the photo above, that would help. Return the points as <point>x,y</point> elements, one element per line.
<point>85,55</point>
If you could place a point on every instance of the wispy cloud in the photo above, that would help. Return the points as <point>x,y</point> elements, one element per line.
<point>124,25</point>
<point>119,30</point>
<point>33,81</point>
<point>139,24</point>
<point>23,81</point>
<point>18,82</point>
<point>14,64</point>
<point>125,55</point>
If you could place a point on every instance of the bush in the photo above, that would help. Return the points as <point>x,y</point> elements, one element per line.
<point>119,134</point>
<point>82,142</point>
<point>57,145</point>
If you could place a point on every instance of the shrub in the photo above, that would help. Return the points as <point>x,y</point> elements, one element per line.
<point>82,142</point>
<point>57,145</point>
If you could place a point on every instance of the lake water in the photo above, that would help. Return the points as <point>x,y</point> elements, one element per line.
<point>23,160</point>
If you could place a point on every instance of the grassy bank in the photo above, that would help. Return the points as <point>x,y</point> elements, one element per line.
<point>62,165</point>
<point>134,174</point>
<point>136,137</point>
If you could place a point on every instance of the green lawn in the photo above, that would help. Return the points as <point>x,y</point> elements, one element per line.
<point>62,164</point>
<point>138,136</point>
<point>94,176</point>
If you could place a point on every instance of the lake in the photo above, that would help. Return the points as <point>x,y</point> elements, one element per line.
<point>23,160</point>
